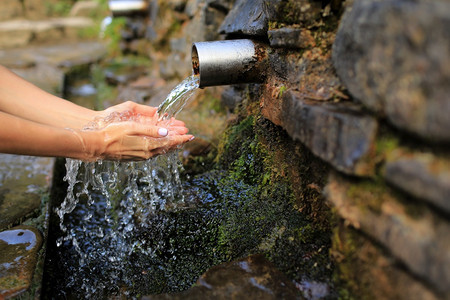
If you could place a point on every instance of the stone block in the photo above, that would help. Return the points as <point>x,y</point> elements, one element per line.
<point>365,271</point>
<point>418,238</point>
<point>22,180</point>
<point>422,175</point>
<point>338,133</point>
<point>393,57</point>
<point>246,17</point>
<point>290,38</point>
<point>19,247</point>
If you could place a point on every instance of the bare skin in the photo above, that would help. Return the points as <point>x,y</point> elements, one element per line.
<point>34,122</point>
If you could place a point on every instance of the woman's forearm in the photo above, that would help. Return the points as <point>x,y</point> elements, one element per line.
<point>23,99</point>
<point>20,136</point>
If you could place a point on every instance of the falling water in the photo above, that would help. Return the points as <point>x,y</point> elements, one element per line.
<point>178,97</point>
<point>106,202</point>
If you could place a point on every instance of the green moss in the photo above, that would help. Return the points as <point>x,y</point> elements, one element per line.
<point>355,258</point>
<point>368,194</point>
<point>385,145</point>
<point>260,214</point>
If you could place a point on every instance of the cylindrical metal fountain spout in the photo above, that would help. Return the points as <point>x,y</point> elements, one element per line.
<point>229,62</point>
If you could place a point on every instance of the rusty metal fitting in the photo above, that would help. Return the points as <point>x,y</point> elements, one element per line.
<point>229,62</point>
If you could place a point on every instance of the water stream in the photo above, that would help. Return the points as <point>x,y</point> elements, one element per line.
<point>108,202</point>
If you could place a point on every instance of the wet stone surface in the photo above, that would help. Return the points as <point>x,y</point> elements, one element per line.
<point>19,247</point>
<point>338,133</point>
<point>246,17</point>
<point>22,181</point>
<point>252,277</point>
<point>290,38</point>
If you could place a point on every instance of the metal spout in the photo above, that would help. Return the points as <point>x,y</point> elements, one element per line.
<point>229,62</point>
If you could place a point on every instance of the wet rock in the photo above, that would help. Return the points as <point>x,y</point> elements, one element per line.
<point>393,57</point>
<point>246,17</point>
<point>413,235</point>
<point>19,247</point>
<point>422,175</point>
<point>290,38</point>
<point>22,179</point>
<point>339,133</point>
<point>250,278</point>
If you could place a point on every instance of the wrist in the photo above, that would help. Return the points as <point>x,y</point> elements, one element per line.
<point>88,147</point>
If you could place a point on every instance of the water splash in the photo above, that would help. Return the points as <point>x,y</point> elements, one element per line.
<point>107,202</point>
<point>178,97</point>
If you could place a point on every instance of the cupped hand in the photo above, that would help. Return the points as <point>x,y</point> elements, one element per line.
<point>131,140</point>
<point>135,108</point>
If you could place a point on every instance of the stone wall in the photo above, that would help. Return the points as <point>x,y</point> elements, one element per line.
<point>364,87</point>
<point>31,22</point>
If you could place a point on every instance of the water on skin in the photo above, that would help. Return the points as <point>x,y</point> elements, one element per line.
<point>106,202</point>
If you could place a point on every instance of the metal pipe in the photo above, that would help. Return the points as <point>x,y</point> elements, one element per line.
<point>229,62</point>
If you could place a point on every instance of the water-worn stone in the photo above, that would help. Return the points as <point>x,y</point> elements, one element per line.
<point>246,17</point>
<point>252,277</point>
<point>422,175</point>
<point>393,57</point>
<point>338,133</point>
<point>22,179</point>
<point>290,38</point>
<point>419,240</point>
<point>19,247</point>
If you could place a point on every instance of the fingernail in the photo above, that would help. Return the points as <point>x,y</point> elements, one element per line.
<point>191,139</point>
<point>162,131</point>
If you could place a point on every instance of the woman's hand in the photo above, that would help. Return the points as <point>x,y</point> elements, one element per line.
<point>134,134</point>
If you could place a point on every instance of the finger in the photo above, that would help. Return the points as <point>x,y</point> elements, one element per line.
<point>171,122</point>
<point>145,110</point>
<point>139,129</point>
<point>178,130</point>
<point>178,140</point>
